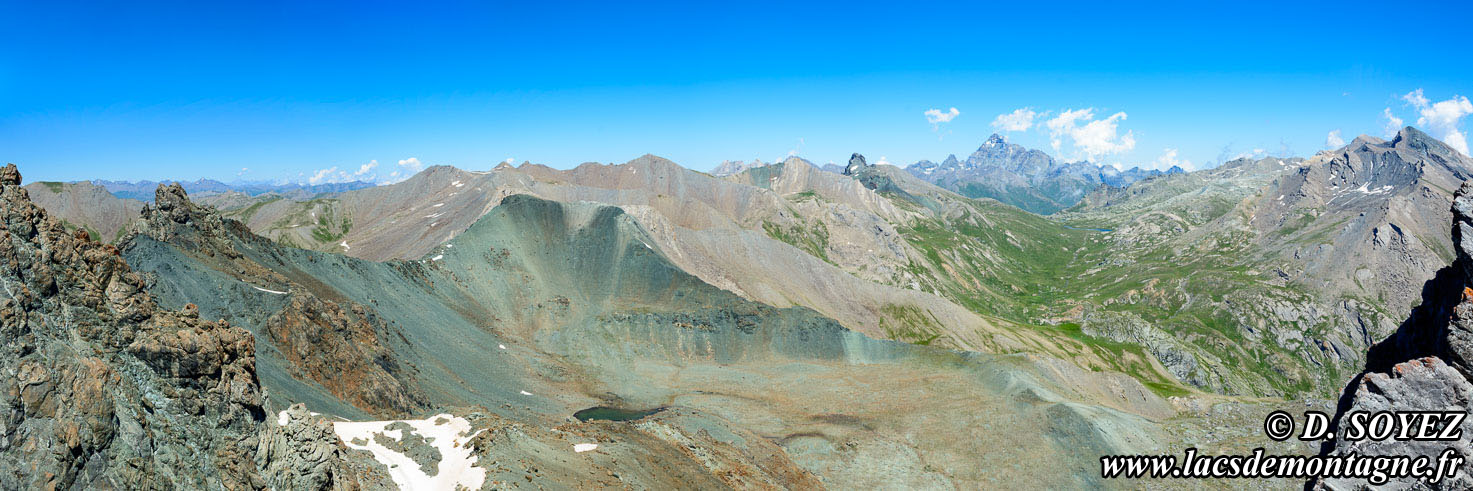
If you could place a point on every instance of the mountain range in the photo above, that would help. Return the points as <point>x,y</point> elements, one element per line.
<point>1025,178</point>
<point>780,325</point>
<point>143,190</point>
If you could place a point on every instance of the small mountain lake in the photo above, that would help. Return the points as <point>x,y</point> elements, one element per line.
<point>614,414</point>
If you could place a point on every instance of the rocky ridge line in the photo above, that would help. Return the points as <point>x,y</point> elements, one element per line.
<point>323,336</point>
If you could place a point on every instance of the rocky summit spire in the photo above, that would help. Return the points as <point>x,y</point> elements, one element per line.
<point>856,164</point>
<point>9,175</point>
<point>995,141</point>
<point>173,218</point>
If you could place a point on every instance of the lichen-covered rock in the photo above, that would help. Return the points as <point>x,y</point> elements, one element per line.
<point>101,388</point>
<point>1425,384</point>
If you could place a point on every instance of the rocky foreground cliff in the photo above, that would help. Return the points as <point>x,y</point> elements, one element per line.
<point>102,388</point>
<point>1427,365</point>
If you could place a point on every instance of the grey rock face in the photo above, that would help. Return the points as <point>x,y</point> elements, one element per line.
<point>1425,384</point>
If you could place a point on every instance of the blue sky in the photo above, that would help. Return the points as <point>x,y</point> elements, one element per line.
<point>147,91</point>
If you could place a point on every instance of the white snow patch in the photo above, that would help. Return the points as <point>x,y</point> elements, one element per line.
<point>438,257</point>
<point>437,205</point>
<point>525,393</point>
<point>345,245</point>
<point>264,290</point>
<point>450,434</point>
<point>584,447</point>
<point>1365,188</point>
<point>502,346</point>
<point>1280,198</point>
<point>447,246</point>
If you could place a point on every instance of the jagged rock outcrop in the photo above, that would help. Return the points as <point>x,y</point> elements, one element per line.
<point>870,176</point>
<point>101,387</point>
<point>1424,366</point>
<point>856,164</point>
<point>300,451</point>
<point>173,218</point>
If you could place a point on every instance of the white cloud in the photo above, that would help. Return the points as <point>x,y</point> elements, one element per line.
<point>1393,123</point>
<point>368,172</point>
<point>1090,137</point>
<point>1415,98</point>
<point>1018,120</point>
<point>1168,159</point>
<point>937,116</point>
<point>1256,153</point>
<point>885,161</point>
<point>364,169</point>
<point>1333,140</point>
<point>324,176</point>
<point>243,171</point>
<point>1442,118</point>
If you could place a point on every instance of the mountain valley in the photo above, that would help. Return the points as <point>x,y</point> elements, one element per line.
<point>781,325</point>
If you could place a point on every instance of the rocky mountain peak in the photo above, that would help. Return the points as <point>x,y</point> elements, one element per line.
<point>856,164</point>
<point>172,217</point>
<point>1414,139</point>
<point>9,175</point>
<point>1027,178</point>
<point>995,141</point>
